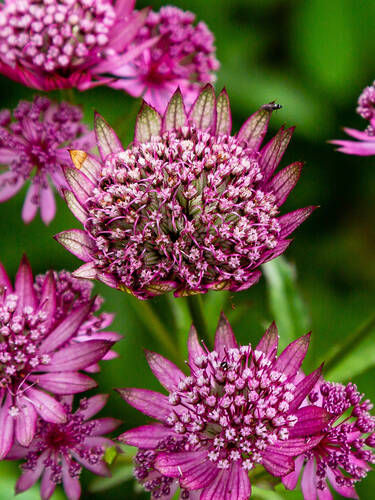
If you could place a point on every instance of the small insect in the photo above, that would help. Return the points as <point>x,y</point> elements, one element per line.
<point>224,365</point>
<point>271,106</point>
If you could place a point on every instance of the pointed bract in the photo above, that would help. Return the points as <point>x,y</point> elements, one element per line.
<point>148,124</point>
<point>175,116</point>
<point>106,138</point>
<point>203,112</point>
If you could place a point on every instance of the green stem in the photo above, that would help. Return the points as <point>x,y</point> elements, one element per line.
<point>195,304</point>
<point>149,318</point>
<point>350,343</point>
<point>67,95</point>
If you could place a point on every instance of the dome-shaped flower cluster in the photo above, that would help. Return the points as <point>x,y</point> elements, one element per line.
<point>39,354</point>
<point>239,407</point>
<point>54,44</point>
<point>184,56</point>
<point>187,207</point>
<point>33,145</point>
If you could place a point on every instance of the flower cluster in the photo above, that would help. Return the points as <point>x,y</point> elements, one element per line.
<point>366,140</point>
<point>239,407</point>
<point>41,355</point>
<point>54,44</point>
<point>184,56</point>
<point>187,207</point>
<point>33,145</point>
<point>58,451</point>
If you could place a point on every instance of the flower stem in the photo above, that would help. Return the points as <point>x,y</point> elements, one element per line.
<point>350,343</point>
<point>149,318</point>
<point>195,304</point>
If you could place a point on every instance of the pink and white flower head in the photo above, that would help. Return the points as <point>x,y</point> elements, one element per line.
<point>56,44</point>
<point>39,357</point>
<point>239,408</point>
<point>342,457</point>
<point>183,56</point>
<point>60,450</point>
<point>186,207</point>
<point>33,146</point>
<point>366,139</point>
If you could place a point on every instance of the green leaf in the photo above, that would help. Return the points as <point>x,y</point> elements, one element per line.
<point>119,475</point>
<point>285,302</point>
<point>257,492</point>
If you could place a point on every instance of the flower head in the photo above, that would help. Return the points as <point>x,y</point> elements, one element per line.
<point>59,451</point>
<point>342,456</point>
<point>54,44</point>
<point>238,408</point>
<point>33,145</point>
<point>366,139</point>
<point>187,207</point>
<point>184,56</point>
<point>39,353</point>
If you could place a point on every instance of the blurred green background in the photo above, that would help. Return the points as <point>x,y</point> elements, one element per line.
<point>313,57</point>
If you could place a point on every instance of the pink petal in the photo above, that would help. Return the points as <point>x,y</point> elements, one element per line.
<point>272,153</point>
<point>5,284</point>
<point>47,487</point>
<point>195,349</point>
<point>30,477</point>
<point>304,388</point>
<point>47,204</point>
<point>165,371</point>
<point>79,183</point>
<point>290,480</point>
<point>148,124</point>
<point>269,342</point>
<point>77,356</point>
<point>326,494</point>
<point>64,382</point>
<point>294,446</point>
<point>71,485</point>
<point>10,184</point>
<point>175,116</point>
<point>150,403</point>
<point>78,243</point>
<point>31,203</point>
<point>100,468</point>
<point>277,464</point>
<point>94,405</point>
<point>24,286</point>
<point>146,436</point>
<point>224,337</point>
<point>46,406</point>
<point>6,426</point>
<point>87,271</point>
<point>25,421</point>
<point>47,302</point>
<point>282,184</point>
<point>308,483</point>
<point>289,222</point>
<point>230,484</point>
<point>223,114</point>
<point>254,129</point>
<point>105,425</point>
<point>106,138</point>
<point>66,329</point>
<point>91,167</point>
<point>311,420</point>
<point>290,360</point>
<point>203,111</point>
<point>74,206</point>
<point>358,134</point>
<point>344,491</point>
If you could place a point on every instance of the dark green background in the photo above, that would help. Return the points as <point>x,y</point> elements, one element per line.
<point>314,57</point>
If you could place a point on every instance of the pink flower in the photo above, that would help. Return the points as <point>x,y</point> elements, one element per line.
<point>39,357</point>
<point>60,450</point>
<point>239,407</point>
<point>342,456</point>
<point>59,44</point>
<point>187,207</point>
<point>366,144</point>
<point>33,145</point>
<point>183,56</point>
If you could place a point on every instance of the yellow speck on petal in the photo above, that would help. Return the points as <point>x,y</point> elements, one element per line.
<point>78,157</point>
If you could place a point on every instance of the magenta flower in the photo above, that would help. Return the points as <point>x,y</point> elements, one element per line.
<point>58,44</point>
<point>239,407</point>
<point>38,356</point>
<point>33,145</point>
<point>183,56</point>
<point>342,455</point>
<point>366,144</point>
<point>59,451</point>
<point>187,207</point>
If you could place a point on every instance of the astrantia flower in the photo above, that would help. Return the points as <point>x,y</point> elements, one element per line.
<point>366,144</point>
<point>39,354</point>
<point>54,44</point>
<point>33,146</point>
<point>58,451</point>
<point>239,407</point>
<point>187,207</point>
<point>183,56</point>
<point>72,293</point>
<point>343,456</point>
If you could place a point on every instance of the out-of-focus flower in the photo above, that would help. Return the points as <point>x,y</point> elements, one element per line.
<point>342,456</point>
<point>59,451</point>
<point>72,293</point>
<point>183,56</point>
<point>56,44</point>
<point>239,407</point>
<point>187,207</point>
<point>33,145</point>
<point>39,354</point>
<point>366,140</point>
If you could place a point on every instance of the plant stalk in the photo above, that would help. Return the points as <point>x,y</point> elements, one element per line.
<point>195,304</point>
